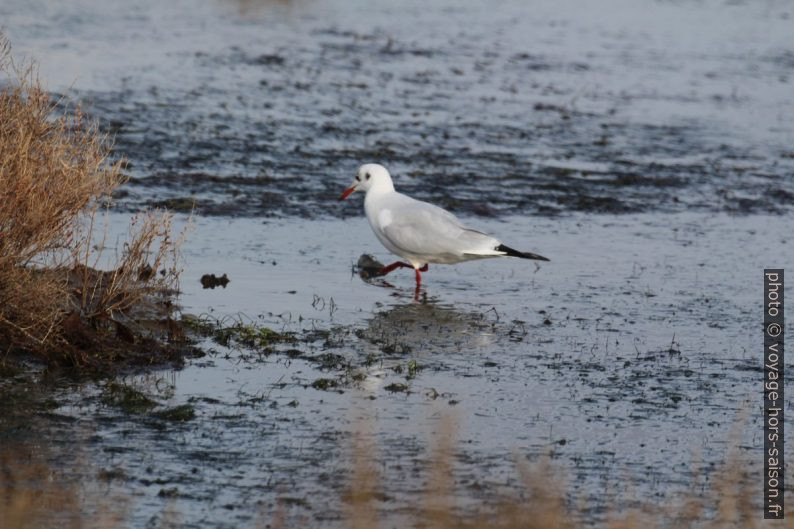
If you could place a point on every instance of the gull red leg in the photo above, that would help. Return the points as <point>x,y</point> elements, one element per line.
<point>386,269</point>
<point>418,272</point>
<point>424,268</point>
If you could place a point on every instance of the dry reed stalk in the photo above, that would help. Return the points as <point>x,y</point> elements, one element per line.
<point>34,495</point>
<point>360,499</point>
<point>55,175</point>
<point>724,499</point>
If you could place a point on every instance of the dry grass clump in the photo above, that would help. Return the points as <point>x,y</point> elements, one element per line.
<point>55,176</point>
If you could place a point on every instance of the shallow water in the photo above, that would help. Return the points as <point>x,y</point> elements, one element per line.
<point>266,108</point>
<point>636,381</point>
<point>645,147</point>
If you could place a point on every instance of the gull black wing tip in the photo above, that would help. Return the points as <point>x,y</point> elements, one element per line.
<point>510,252</point>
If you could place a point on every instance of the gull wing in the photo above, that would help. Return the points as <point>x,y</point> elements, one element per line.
<point>425,230</point>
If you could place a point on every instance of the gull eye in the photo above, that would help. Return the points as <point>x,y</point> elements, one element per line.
<point>367,175</point>
<point>358,178</point>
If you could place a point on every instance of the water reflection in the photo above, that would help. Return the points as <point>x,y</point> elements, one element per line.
<point>429,327</point>
<point>253,8</point>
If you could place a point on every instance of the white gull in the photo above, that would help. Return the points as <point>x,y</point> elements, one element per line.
<point>420,232</point>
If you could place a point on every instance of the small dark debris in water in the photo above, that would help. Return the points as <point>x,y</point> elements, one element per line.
<point>395,348</point>
<point>673,350</point>
<point>324,384</point>
<point>112,474</point>
<point>547,322</point>
<point>293,403</point>
<point>301,502</point>
<point>545,107</point>
<point>453,402</point>
<point>182,413</point>
<point>599,204</point>
<point>184,204</point>
<point>396,387</point>
<point>741,367</point>
<point>562,442</point>
<point>368,266</point>
<point>156,481</point>
<point>126,398</point>
<point>212,281</point>
<point>208,400</point>
<point>483,210</point>
<point>330,361</point>
<point>413,369</point>
<point>169,493</point>
<point>269,60</point>
<point>488,363</point>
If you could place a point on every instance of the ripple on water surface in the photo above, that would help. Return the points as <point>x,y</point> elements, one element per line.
<point>554,107</point>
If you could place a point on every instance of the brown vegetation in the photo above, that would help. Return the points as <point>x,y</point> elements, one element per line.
<point>34,494</point>
<point>55,176</point>
<point>729,497</point>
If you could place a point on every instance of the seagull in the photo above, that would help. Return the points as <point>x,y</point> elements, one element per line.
<point>420,232</point>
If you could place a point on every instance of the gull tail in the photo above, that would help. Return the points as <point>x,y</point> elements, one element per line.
<point>515,253</point>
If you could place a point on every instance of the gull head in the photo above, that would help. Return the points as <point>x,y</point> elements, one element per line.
<point>370,177</point>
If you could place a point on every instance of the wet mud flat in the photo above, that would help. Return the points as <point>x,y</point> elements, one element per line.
<point>646,148</point>
<point>261,109</point>
<point>628,359</point>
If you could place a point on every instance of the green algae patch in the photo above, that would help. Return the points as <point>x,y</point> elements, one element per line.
<point>181,413</point>
<point>239,334</point>
<point>324,384</point>
<point>126,398</point>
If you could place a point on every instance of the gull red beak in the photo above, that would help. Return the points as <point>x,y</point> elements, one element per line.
<point>347,192</point>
